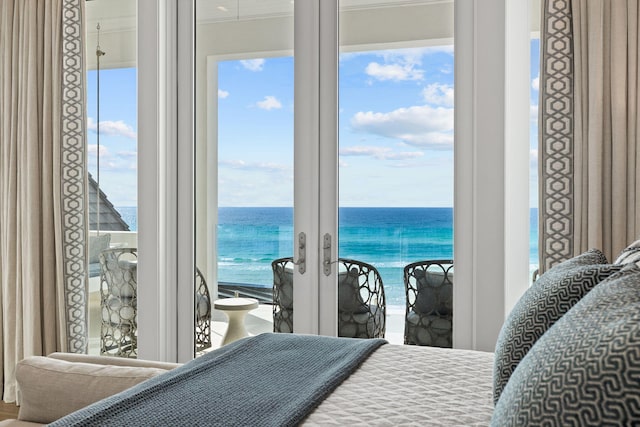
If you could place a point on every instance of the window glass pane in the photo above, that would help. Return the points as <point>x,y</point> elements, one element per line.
<point>533,189</point>
<point>396,152</point>
<point>112,148</point>
<point>244,157</point>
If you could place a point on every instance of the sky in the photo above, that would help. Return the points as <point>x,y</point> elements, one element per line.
<point>118,133</point>
<point>395,130</point>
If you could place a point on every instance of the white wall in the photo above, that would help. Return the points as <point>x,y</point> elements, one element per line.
<point>491,216</point>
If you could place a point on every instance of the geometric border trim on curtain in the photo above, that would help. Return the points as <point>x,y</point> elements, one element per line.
<point>73,176</point>
<point>555,144</point>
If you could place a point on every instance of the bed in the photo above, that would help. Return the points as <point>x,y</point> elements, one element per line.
<point>410,385</point>
<point>567,354</point>
<point>390,385</point>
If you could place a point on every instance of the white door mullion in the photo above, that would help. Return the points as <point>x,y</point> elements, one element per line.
<point>157,181</point>
<point>185,176</point>
<point>328,205</point>
<point>306,164</point>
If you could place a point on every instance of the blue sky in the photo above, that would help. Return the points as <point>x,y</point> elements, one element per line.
<point>118,133</point>
<point>395,129</point>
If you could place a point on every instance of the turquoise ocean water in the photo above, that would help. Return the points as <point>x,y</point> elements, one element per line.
<point>388,238</point>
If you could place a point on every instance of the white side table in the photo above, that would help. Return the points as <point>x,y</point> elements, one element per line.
<point>236,309</point>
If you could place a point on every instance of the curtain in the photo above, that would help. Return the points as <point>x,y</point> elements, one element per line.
<point>42,182</point>
<point>589,117</point>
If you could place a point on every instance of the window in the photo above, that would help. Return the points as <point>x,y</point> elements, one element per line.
<point>112,140</point>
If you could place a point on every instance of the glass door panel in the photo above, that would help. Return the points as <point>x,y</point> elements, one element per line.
<point>534,262</point>
<point>112,154</point>
<point>396,158</point>
<point>244,161</point>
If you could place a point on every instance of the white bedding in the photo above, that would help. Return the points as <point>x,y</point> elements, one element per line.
<point>411,385</point>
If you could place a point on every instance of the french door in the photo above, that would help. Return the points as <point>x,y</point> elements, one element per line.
<point>259,167</point>
<point>267,103</point>
<point>482,126</point>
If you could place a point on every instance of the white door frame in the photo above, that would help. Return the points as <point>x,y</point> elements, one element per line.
<point>491,215</point>
<point>491,200</point>
<point>165,181</point>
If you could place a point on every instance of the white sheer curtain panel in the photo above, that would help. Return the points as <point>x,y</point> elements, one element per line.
<point>42,182</point>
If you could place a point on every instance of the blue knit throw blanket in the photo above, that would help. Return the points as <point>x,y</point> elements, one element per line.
<point>267,380</point>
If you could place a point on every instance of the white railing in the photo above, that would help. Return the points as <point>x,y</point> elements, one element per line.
<point>128,239</point>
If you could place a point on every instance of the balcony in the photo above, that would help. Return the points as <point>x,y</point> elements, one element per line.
<point>257,321</point>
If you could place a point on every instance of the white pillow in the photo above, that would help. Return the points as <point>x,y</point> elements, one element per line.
<point>51,388</point>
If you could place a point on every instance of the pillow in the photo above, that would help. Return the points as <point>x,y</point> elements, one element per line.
<point>584,371</point>
<point>349,297</point>
<point>552,295</point>
<point>52,388</point>
<point>283,281</point>
<point>98,244</point>
<point>112,360</point>
<point>435,294</point>
<point>629,255</point>
<point>203,306</point>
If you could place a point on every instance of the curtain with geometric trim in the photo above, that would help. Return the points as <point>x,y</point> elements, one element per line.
<point>43,206</point>
<point>555,130</point>
<point>589,121</point>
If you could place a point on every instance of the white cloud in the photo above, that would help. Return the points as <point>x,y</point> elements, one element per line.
<point>222,94</point>
<point>382,153</point>
<point>396,72</point>
<point>413,55</point>
<point>127,154</point>
<point>393,55</point>
<point>535,83</point>
<point>269,103</point>
<point>236,164</point>
<point>255,166</point>
<point>399,64</point>
<point>109,161</point>
<point>438,94</point>
<point>422,126</point>
<point>113,128</point>
<point>253,64</point>
<point>402,64</point>
<point>93,148</point>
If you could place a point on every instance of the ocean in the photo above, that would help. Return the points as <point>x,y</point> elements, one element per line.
<point>388,238</point>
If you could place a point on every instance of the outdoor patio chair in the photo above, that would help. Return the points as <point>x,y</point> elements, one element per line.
<point>203,312</point>
<point>361,299</point>
<point>118,302</point>
<point>429,303</point>
<point>282,295</point>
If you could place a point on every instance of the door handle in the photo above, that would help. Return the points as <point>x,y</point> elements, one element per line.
<point>301,262</point>
<point>326,254</point>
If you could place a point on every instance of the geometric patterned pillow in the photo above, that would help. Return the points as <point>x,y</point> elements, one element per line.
<point>546,301</point>
<point>585,371</point>
<point>629,255</point>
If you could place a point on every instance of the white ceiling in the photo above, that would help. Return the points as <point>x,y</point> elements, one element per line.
<point>225,10</point>
<point>120,14</point>
<point>229,20</point>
